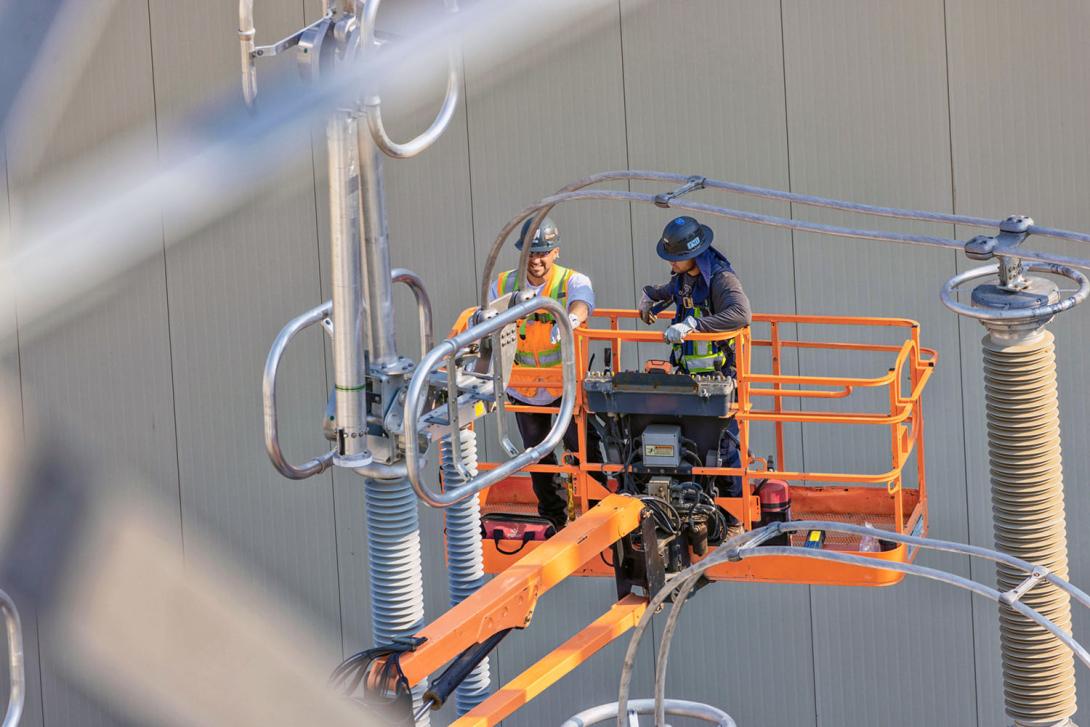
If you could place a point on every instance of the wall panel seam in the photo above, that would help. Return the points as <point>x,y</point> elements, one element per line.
<point>798,356</point>
<point>15,303</point>
<point>497,658</point>
<point>41,680</point>
<point>627,147</point>
<point>22,408</point>
<point>653,651</point>
<point>325,369</point>
<point>469,187</point>
<point>961,363</point>
<point>326,387</point>
<point>166,295</point>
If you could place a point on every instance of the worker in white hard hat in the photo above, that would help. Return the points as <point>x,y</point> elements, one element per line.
<point>539,346</point>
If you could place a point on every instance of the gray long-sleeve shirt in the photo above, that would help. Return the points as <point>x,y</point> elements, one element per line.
<point>729,304</point>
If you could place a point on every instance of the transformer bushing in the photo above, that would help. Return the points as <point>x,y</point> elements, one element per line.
<point>1023,426</point>
<point>369,375</point>
<point>465,554</point>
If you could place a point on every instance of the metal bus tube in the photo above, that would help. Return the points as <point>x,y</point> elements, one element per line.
<point>16,666</point>
<point>268,394</point>
<point>423,304</point>
<point>435,357</point>
<point>376,251</point>
<point>349,332</point>
<point>373,104</point>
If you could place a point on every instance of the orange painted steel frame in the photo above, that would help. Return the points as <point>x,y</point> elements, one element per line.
<point>509,599</point>
<point>621,617</point>
<point>904,383</point>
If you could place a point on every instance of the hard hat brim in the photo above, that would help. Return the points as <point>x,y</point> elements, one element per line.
<point>706,237</point>
<point>545,247</point>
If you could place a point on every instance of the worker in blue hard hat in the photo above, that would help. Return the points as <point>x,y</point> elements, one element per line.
<point>539,346</point>
<point>707,297</point>
<point>706,293</point>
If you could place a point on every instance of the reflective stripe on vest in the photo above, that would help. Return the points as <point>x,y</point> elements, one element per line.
<point>543,359</point>
<point>699,357</point>
<point>537,350</point>
<point>555,287</point>
<point>534,347</point>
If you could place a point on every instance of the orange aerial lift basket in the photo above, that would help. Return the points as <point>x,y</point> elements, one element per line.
<point>765,398</point>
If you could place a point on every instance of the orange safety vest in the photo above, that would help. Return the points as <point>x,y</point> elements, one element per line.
<point>534,345</point>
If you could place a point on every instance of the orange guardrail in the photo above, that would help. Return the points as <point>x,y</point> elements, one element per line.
<point>901,412</point>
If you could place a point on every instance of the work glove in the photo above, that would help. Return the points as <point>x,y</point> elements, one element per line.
<point>554,337</point>
<point>677,332</point>
<point>647,315</point>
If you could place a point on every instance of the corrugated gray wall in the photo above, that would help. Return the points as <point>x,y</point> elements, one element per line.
<point>972,106</point>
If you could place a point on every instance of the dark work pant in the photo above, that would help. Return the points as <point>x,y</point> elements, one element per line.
<point>707,431</point>
<point>551,504</point>
<point>730,457</point>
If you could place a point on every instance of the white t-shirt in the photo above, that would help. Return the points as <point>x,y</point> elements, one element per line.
<point>579,289</point>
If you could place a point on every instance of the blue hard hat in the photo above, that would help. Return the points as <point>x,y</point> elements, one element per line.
<point>547,236</point>
<point>684,238</point>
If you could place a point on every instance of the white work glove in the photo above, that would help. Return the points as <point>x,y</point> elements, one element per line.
<point>554,338</point>
<point>677,332</point>
<point>646,315</point>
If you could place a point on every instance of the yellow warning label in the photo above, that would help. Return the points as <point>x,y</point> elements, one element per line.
<point>658,450</point>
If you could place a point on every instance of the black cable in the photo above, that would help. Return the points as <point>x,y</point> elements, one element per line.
<point>663,512</point>
<point>345,665</point>
<point>698,502</point>
<point>662,520</point>
<point>689,444</point>
<point>603,437</point>
<point>693,457</point>
<point>626,470</point>
<point>355,671</point>
<point>690,447</point>
<point>612,441</point>
<point>685,496</point>
<point>456,672</point>
<point>630,454</point>
<point>357,679</point>
<point>721,524</point>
